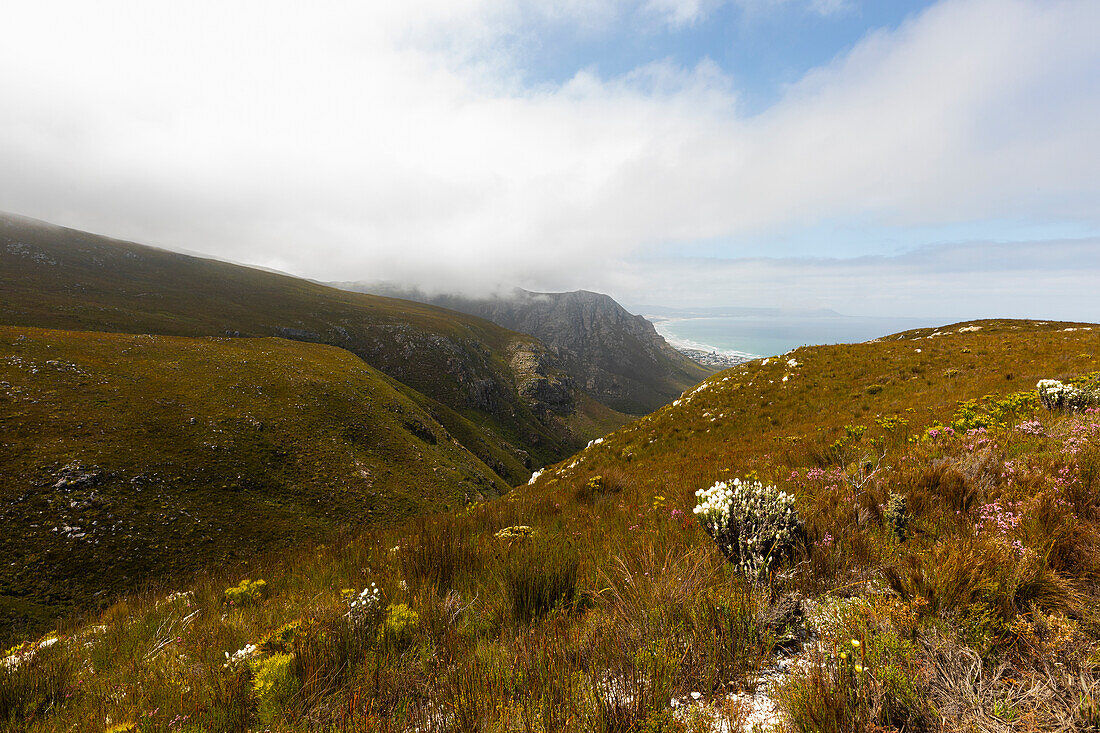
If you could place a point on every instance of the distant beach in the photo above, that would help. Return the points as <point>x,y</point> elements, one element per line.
<point>742,337</point>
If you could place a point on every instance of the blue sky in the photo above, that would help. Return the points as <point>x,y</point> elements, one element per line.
<point>762,49</point>
<point>803,153</point>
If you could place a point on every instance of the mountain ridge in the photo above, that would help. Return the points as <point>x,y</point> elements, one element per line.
<point>61,278</point>
<point>616,356</point>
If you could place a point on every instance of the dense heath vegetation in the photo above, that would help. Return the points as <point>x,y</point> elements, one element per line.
<point>461,369</point>
<point>944,577</point>
<point>130,459</point>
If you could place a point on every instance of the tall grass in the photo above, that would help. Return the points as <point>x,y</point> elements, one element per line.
<point>618,602</point>
<point>539,576</point>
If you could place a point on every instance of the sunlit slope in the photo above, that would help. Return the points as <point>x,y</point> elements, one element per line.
<point>129,458</point>
<point>793,408</point>
<point>552,597</point>
<point>51,277</point>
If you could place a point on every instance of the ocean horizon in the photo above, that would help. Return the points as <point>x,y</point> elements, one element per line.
<point>756,335</point>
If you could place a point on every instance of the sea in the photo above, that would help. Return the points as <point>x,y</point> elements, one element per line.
<point>756,335</point>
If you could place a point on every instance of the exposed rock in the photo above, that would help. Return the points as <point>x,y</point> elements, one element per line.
<point>74,476</point>
<point>616,357</point>
<point>540,381</point>
<point>298,334</point>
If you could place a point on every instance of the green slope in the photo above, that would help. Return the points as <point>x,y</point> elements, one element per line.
<point>752,416</point>
<point>52,277</point>
<point>163,454</point>
<point>618,602</point>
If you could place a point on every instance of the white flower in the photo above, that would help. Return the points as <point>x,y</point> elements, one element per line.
<point>365,602</point>
<point>535,476</point>
<point>241,655</point>
<point>752,523</point>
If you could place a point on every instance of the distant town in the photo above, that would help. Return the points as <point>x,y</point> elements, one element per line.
<point>713,358</point>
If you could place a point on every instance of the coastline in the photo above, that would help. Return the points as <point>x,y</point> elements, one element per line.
<point>701,352</point>
<point>713,358</point>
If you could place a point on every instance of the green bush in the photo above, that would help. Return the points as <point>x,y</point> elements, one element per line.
<point>246,593</point>
<point>273,684</point>
<point>399,624</point>
<point>894,517</point>
<point>280,639</point>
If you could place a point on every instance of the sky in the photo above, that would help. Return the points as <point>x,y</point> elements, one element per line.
<point>887,157</point>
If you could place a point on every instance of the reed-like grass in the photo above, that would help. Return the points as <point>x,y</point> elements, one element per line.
<point>618,602</point>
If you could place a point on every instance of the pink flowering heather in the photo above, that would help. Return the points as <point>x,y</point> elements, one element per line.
<point>1031,427</point>
<point>1066,477</point>
<point>1002,520</point>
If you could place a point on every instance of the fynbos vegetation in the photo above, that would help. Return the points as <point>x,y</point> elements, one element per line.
<point>919,557</point>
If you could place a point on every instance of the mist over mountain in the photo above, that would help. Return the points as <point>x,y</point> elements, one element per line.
<point>617,357</point>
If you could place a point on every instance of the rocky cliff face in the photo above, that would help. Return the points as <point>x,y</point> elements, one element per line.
<point>616,357</point>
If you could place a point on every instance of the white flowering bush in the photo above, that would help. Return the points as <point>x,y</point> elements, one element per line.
<point>755,526</point>
<point>1058,395</point>
<point>245,653</point>
<point>365,607</point>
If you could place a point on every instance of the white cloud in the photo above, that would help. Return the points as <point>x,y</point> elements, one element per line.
<point>680,12</point>
<point>397,140</point>
<point>1045,279</point>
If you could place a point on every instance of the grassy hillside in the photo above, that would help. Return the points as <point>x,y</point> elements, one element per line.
<point>132,459</point>
<point>945,577</point>
<point>51,277</point>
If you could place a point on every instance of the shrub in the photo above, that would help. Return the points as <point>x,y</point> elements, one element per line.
<point>399,624</point>
<point>993,411</point>
<point>246,593</point>
<point>35,681</point>
<point>280,639</point>
<point>1055,395</point>
<point>273,683</point>
<point>755,526</point>
<point>517,532</point>
<point>895,518</point>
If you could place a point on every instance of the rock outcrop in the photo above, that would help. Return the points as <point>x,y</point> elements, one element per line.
<point>613,355</point>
